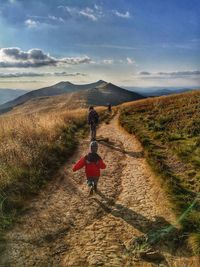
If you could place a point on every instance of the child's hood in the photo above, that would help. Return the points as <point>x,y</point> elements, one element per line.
<point>92,157</point>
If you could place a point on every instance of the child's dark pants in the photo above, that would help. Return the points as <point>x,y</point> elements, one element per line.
<point>93,181</point>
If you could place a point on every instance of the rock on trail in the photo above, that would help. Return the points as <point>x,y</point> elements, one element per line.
<point>63,227</point>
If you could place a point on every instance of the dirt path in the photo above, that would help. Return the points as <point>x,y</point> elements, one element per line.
<point>63,227</point>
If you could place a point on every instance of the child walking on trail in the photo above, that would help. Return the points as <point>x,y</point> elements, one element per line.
<point>92,163</point>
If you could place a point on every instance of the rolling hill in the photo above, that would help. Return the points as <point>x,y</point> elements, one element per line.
<point>160,91</point>
<point>165,91</point>
<point>68,95</point>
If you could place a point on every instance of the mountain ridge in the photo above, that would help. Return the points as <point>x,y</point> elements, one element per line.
<point>96,93</point>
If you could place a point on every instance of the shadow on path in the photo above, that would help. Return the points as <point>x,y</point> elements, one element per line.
<point>159,234</point>
<point>133,154</point>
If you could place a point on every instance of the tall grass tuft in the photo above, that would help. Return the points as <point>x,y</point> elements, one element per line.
<point>194,242</point>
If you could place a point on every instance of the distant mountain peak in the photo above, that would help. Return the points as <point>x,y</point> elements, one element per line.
<point>64,83</point>
<point>101,81</point>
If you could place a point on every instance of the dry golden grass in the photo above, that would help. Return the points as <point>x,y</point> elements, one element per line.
<point>22,137</point>
<point>56,103</point>
<point>32,147</point>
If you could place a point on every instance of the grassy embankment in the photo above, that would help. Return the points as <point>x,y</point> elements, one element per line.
<point>32,148</point>
<point>169,129</point>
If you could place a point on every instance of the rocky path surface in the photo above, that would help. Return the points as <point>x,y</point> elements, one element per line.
<point>64,227</point>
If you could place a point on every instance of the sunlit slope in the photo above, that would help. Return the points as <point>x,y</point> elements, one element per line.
<point>169,129</point>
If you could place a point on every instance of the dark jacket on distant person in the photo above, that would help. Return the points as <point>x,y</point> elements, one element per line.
<point>93,117</point>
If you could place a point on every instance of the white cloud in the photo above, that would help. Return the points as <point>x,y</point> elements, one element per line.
<point>125,15</point>
<point>74,60</point>
<point>54,18</point>
<point>34,21</point>
<point>15,57</point>
<point>67,8</point>
<point>97,7</point>
<point>30,23</point>
<point>93,13</point>
<point>108,61</point>
<point>89,14</point>
<point>130,61</point>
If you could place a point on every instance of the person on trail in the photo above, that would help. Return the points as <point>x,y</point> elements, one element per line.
<point>93,120</point>
<point>92,163</point>
<point>109,108</point>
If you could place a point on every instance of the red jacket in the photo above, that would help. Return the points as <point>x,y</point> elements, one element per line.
<point>92,169</point>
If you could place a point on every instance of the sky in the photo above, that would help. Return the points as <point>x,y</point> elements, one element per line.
<point>141,43</point>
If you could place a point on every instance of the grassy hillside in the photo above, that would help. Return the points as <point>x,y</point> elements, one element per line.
<point>43,105</point>
<point>169,129</point>
<point>32,148</point>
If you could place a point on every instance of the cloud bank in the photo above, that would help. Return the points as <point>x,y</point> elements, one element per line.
<point>40,74</point>
<point>14,57</point>
<point>173,74</point>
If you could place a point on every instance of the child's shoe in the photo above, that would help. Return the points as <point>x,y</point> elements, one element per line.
<point>91,191</point>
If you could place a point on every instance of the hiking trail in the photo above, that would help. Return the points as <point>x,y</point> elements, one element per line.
<point>62,226</point>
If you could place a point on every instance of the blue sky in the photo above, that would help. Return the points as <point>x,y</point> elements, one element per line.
<point>127,42</point>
